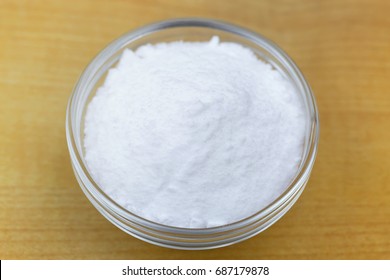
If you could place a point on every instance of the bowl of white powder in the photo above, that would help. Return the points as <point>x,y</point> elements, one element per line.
<point>192,133</point>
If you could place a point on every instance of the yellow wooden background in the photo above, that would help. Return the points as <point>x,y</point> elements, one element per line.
<point>342,47</point>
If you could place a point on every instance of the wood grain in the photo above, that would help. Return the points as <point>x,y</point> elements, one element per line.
<point>343,48</point>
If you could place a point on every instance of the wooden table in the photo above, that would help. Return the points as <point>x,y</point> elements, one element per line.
<point>343,48</point>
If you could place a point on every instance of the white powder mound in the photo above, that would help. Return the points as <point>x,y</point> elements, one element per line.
<point>194,134</point>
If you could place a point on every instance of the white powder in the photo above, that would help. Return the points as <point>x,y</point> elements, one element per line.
<point>194,134</point>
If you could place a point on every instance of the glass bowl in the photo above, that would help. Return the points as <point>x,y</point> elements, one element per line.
<point>187,30</point>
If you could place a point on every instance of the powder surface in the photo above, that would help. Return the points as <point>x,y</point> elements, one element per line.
<point>194,134</point>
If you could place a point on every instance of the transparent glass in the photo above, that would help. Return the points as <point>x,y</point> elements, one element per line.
<point>159,234</point>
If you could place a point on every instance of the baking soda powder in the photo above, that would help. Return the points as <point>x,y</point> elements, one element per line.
<point>194,134</point>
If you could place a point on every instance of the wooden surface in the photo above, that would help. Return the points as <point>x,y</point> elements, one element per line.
<point>342,47</point>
